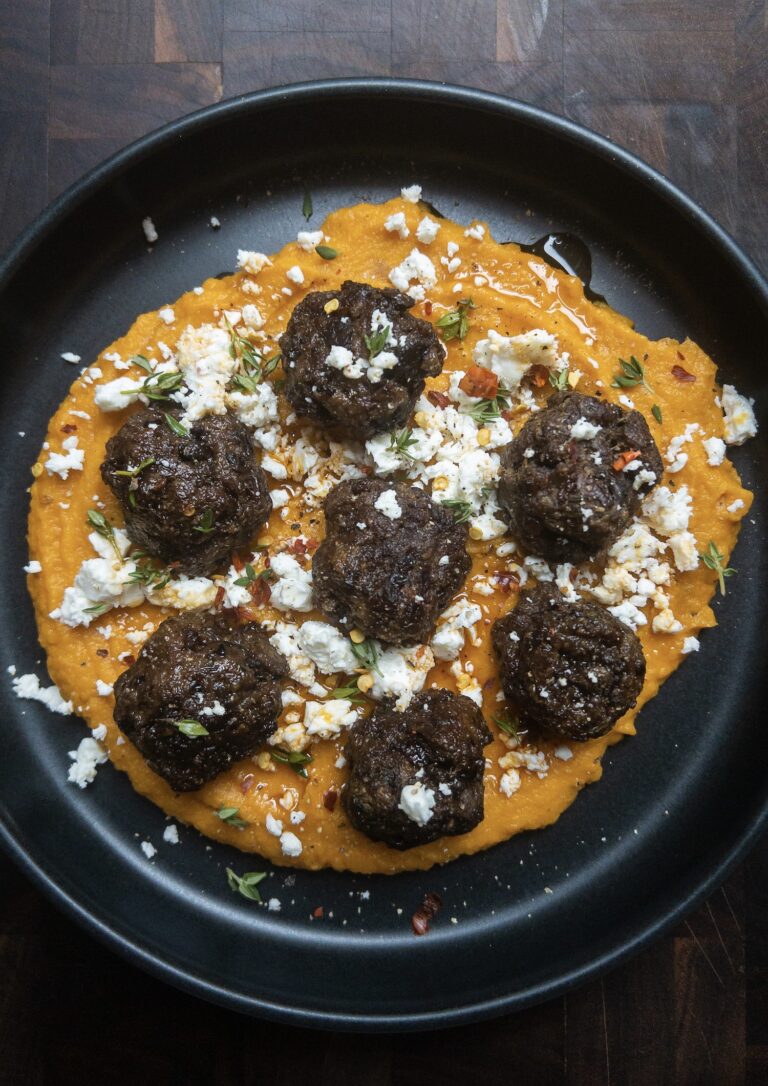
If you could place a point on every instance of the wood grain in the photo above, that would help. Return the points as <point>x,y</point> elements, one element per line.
<point>682,83</point>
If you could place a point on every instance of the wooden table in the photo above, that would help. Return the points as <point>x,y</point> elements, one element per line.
<point>681,83</point>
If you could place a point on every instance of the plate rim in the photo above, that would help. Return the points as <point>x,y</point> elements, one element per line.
<point>35,233</point>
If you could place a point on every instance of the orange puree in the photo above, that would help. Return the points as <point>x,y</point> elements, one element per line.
<point>517,292</point>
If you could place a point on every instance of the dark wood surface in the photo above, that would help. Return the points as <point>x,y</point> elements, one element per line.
<point>680,82</point>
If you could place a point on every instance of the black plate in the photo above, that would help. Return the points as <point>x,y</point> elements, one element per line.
<point>678,805</point>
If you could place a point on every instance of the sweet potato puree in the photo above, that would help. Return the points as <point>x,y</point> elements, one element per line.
<point>513,292</point>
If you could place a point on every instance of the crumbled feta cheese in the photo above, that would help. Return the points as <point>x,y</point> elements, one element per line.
<point>740,421</point>
<point>33,567</point>
<point>401,673</point>
<point>309,239</point>
<point>286,641</point>
<point>690,644</point>
<point>103,689</point>
<point>510,357</point>
<point>171,834</point>
<point>448,640</point>
<point>412,193</point>
<point>714,447</point>
<point>70,459</point>
<point>387,504</point>
<point>292,591</point>
<point>326,719</point>
<point>735,506</point>
<point>166,315</point>
<point>252,262</point>
<point>290,845</point>
<point>295,274</point>
<point>476,231</point>
<point>150,233</point>
<point>509,783</point>
<point>668,511</point>
<point>117,395</point>
<point>327,647</point>
<point>563,753</point>
<point>665,622</point>
<point>582,430</point>
<point>68,356</point>
<point>273,825</point>
<point>85,759</point>
<point>427,230</point>
<point>416,266</point>
<point>148,849</point>
<point>683,547</point>
<point>28,686</point>
<point>396,224</point>
<point>417,802</point>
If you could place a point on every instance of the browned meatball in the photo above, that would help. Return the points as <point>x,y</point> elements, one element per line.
<point>563,482</point>
<point>433,750</point>
<point>198,498</point>
<point>210,672</point>
<point>390,561</point>
<point>571,669</point>
<point>378,398</point>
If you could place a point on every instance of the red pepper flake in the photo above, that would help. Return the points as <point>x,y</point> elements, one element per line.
<point>681,356</point>
<point>318,912</point>
<point>102,652</point>
<point>507,581</point>
<point>428,309</point>
<point>421,919</point>
<point>260,593</point>
<point>624,458</point>
<point>238,562</point>
<point>312,544</point>
<point>478,381</point>
<point>129,659</point>
<point>298,546</point>
<point>682,375</point>
<point>539,375</point>
<point>245,614</point>
<point>508,415</point>
<point>219,597</point>
<point>246,784</point>
<point>68,428</point>
<point>329,799</point>
<point>438,399</point>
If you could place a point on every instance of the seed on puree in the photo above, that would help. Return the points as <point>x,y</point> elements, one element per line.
<point>653,578</point>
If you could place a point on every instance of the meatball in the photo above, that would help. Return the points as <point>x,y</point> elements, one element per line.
<point>417,775</point>
<point>190,499</point>
<point>572,669</point>
<point>343,371</point>
<point>390,561</point>
<point>572,479</point>
<point>200,669</point>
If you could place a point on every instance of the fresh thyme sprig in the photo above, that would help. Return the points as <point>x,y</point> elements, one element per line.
<point>326,252</point>
<point>306,207</point>
<point>206,524</point>
<point>367,654</point>
<point>100,524</point>
<point>229,815</point>
<point>455,323</point>
<point>349,691</point>
<point>713,559</point>
<point>193,729</point>
<point>148,575</point>
<point>246,884</point>
<point>462,510</point>
<point>377,341</point>
<point>131,473</point>
<point>559,379</point>
<point>250,576</point>
<point>176,426</point>
<point>510,726</point>
<point>296,759</point>
<point>400,442</point>
<point>632,374</point>
<point>488,410</point>
<point>158,386</point>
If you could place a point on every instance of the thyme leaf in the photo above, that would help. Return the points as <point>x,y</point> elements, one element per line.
<point>559,379</point>
<point>206,523</point>
<point>131,473</point>
<point>175,425</point>
<point>229,815</point>
<point>713,559</point>
<point>193,729</point>
<point>455,323</point>
<point>462,511</point>
<point>326,252</point>
<point>296,759</point>
<point>306,207</point>
<point>632,374</point>
<point>656,412</point>
<point>377,341</point>
<point>246,884</point>
<point>368,654</point>
<point>400,442</point>
<point>103,527</point>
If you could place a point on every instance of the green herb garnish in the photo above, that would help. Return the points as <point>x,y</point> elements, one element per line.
<point>487,410</point>
<point>175,425</point>
<point>246,884</point>
<point>508,726</point>
<point>131,473</point>
<point>367,654</point>
<point>377,341</point>
<point>559,379</point>
<point>306,207</point>
<point>461,510</point>
<point>97,609</point>
<point>632,374</point>
<point>193,729</point>
<point>158,386</point>
<point>713,559</point>
<point>400,442</point>
<point>148,575</point>
<point>253,367</point>
<point>101,525</point>
<point>326,252</point>
<point>229,815</point>
<point>206,522</point>
<point>296,759</point>
<point>250,576</point>
<point>656,412</point>
<point>455,323</point>
<point>142,362</point>
<point>349,691</point>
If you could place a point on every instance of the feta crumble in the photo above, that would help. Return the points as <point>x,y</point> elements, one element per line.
<point>417,802</point>
<point>85,760</point>
<point>150,233</point>
<point>387,504</point>
<point>396,224</point>
<point>427,230</point>
<point>412,193</point>
<point>292,591</point>
<point>510,357</point>
<point>740,421</point>
<point>71,458</point>
<point>326,647</point>
<point>28,687</point>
